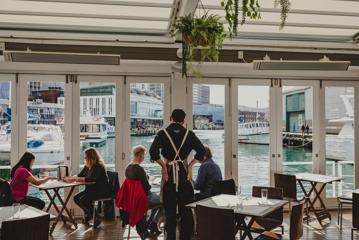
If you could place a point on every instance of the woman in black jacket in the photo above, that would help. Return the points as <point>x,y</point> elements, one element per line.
<point>94,172</point>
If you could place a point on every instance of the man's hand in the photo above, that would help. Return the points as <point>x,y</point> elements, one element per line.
<point>165,175</point>
<point>189,174</point>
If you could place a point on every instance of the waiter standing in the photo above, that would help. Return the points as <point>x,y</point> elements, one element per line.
<point>175,144</point>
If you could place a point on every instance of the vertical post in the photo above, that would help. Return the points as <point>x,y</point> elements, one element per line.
<point>229,171</point>
<point>14,98</point>
<point>356,135</point>
<point>234,130</point>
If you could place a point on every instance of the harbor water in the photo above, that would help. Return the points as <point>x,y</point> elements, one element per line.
<point>253,167</point>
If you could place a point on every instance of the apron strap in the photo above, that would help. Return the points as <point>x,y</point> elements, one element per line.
<point>175,162</point>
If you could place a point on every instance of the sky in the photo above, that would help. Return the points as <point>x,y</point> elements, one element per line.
<point>247,95</point>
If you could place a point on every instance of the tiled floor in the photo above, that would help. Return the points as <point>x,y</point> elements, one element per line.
<point>112,230</point>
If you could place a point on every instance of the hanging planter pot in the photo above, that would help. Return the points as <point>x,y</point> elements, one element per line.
<point>203,35</point>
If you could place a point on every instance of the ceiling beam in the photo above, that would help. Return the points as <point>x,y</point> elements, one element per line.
<point>83,15</point>
<point>110,2</point>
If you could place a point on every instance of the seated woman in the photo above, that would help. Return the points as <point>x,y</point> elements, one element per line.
<point>21,176</point>
<point>93,172</point>
<point>208,173</point>
<point>135,172</point>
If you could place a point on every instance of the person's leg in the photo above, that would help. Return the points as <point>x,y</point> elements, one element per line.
<point>186,194</point>
<point>78,201</point>
<point>155,206</point>
<point>141,228</point>
<point>170,202</point>
<point>33,202</point>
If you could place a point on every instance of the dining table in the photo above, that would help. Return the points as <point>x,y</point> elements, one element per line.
<point>317,183</point>
<point>243,206</point>
<point>54,187</point>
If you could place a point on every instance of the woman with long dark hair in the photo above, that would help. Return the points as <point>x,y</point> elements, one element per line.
<point>94,172</point>
<point>21,176</point>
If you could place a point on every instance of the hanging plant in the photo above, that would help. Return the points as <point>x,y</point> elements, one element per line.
<point>202,38</point>
<point>250,9</point>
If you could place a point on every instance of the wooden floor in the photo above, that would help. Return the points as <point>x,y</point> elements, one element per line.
<point>112,230</point>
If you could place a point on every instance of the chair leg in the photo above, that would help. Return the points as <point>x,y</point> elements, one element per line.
<point>341,216</point>
<point>282,229</point>
<point>352,233</point>
<point>129,231</point>
<point>94,214</point>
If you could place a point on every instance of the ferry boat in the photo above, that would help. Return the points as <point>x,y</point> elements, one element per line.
<point>253,132</point>
<point>93,130</point>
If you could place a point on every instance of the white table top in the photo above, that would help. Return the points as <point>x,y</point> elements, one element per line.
<point>54,183</point>
<point>248,206</point>
<point>7,213</point>
<point>319,178</point>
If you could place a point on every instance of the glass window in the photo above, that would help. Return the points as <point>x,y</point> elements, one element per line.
<point>339,138</point>
<point>208,120</point>
<point>5,129</point>
<point>98,128</point>
<point>253,137</point>
<point>147,99</point>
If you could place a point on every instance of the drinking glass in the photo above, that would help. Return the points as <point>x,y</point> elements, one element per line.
<point>264,194</point>
<point>16,210</point>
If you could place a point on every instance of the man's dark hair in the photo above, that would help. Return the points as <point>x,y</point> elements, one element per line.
<point>178,115</point>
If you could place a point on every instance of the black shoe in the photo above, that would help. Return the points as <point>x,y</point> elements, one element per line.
<point>144,235</point>
<point>97,222</point>
<point>154,229</point>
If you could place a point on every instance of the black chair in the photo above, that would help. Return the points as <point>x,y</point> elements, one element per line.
<point>224,187</point>
<point>273,220</point>
<point>355,214</point>
<point>343,200</point>
<point>109,201</point>
<point>214,223</point>
<point>26,229</point>
<point>295,228</point>
<point>6,198</point>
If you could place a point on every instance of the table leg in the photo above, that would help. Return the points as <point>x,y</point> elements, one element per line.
<point>307,199</point>
<point>52,201</point>
<point>63,208</point>
<point>64,205</point>
<point>247,228</point>
<point>323,213</point>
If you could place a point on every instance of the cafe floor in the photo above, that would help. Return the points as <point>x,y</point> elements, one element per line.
<point>112,230</point>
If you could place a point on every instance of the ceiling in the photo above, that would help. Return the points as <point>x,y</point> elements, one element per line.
<point>309,21</point>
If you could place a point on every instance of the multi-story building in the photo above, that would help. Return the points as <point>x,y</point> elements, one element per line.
<point>201,94</point>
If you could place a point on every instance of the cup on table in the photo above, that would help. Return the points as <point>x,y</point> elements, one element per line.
<point>264,194</point>
<point>16,210</point>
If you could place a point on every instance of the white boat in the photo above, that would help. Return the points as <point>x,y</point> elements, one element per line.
<point>341,146</point>
<point>46,142</point>
<point>93,130</point>
<point>253,132</point>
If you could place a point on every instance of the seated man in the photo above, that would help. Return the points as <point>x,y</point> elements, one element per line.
<point>135,172</point>
<point>208,173</point>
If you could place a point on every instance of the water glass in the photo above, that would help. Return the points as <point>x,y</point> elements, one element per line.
<point>16,210</point>
<point>264,194</point>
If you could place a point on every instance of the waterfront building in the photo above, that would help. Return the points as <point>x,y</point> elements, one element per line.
<point>201,94</point>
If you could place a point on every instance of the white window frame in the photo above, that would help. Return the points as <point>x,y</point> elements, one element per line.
<point>228,173</point>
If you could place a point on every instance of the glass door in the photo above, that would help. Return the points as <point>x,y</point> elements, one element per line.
<point>42,122</point>
<point>7,137</point>
<point>98,113</point>
<point>339,118</point>
<point>252,128</point>
<point>210,120</point>
<point>147,112</point>
<point>300,127</point>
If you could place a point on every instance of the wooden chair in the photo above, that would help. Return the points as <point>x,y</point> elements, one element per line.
<point>296,225</point>
<point>214,223</point>
<point>288,183</point>
<point>26,229</point>
<point>273,220</point>
<point>355,214</point>
<point>224,187</point>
